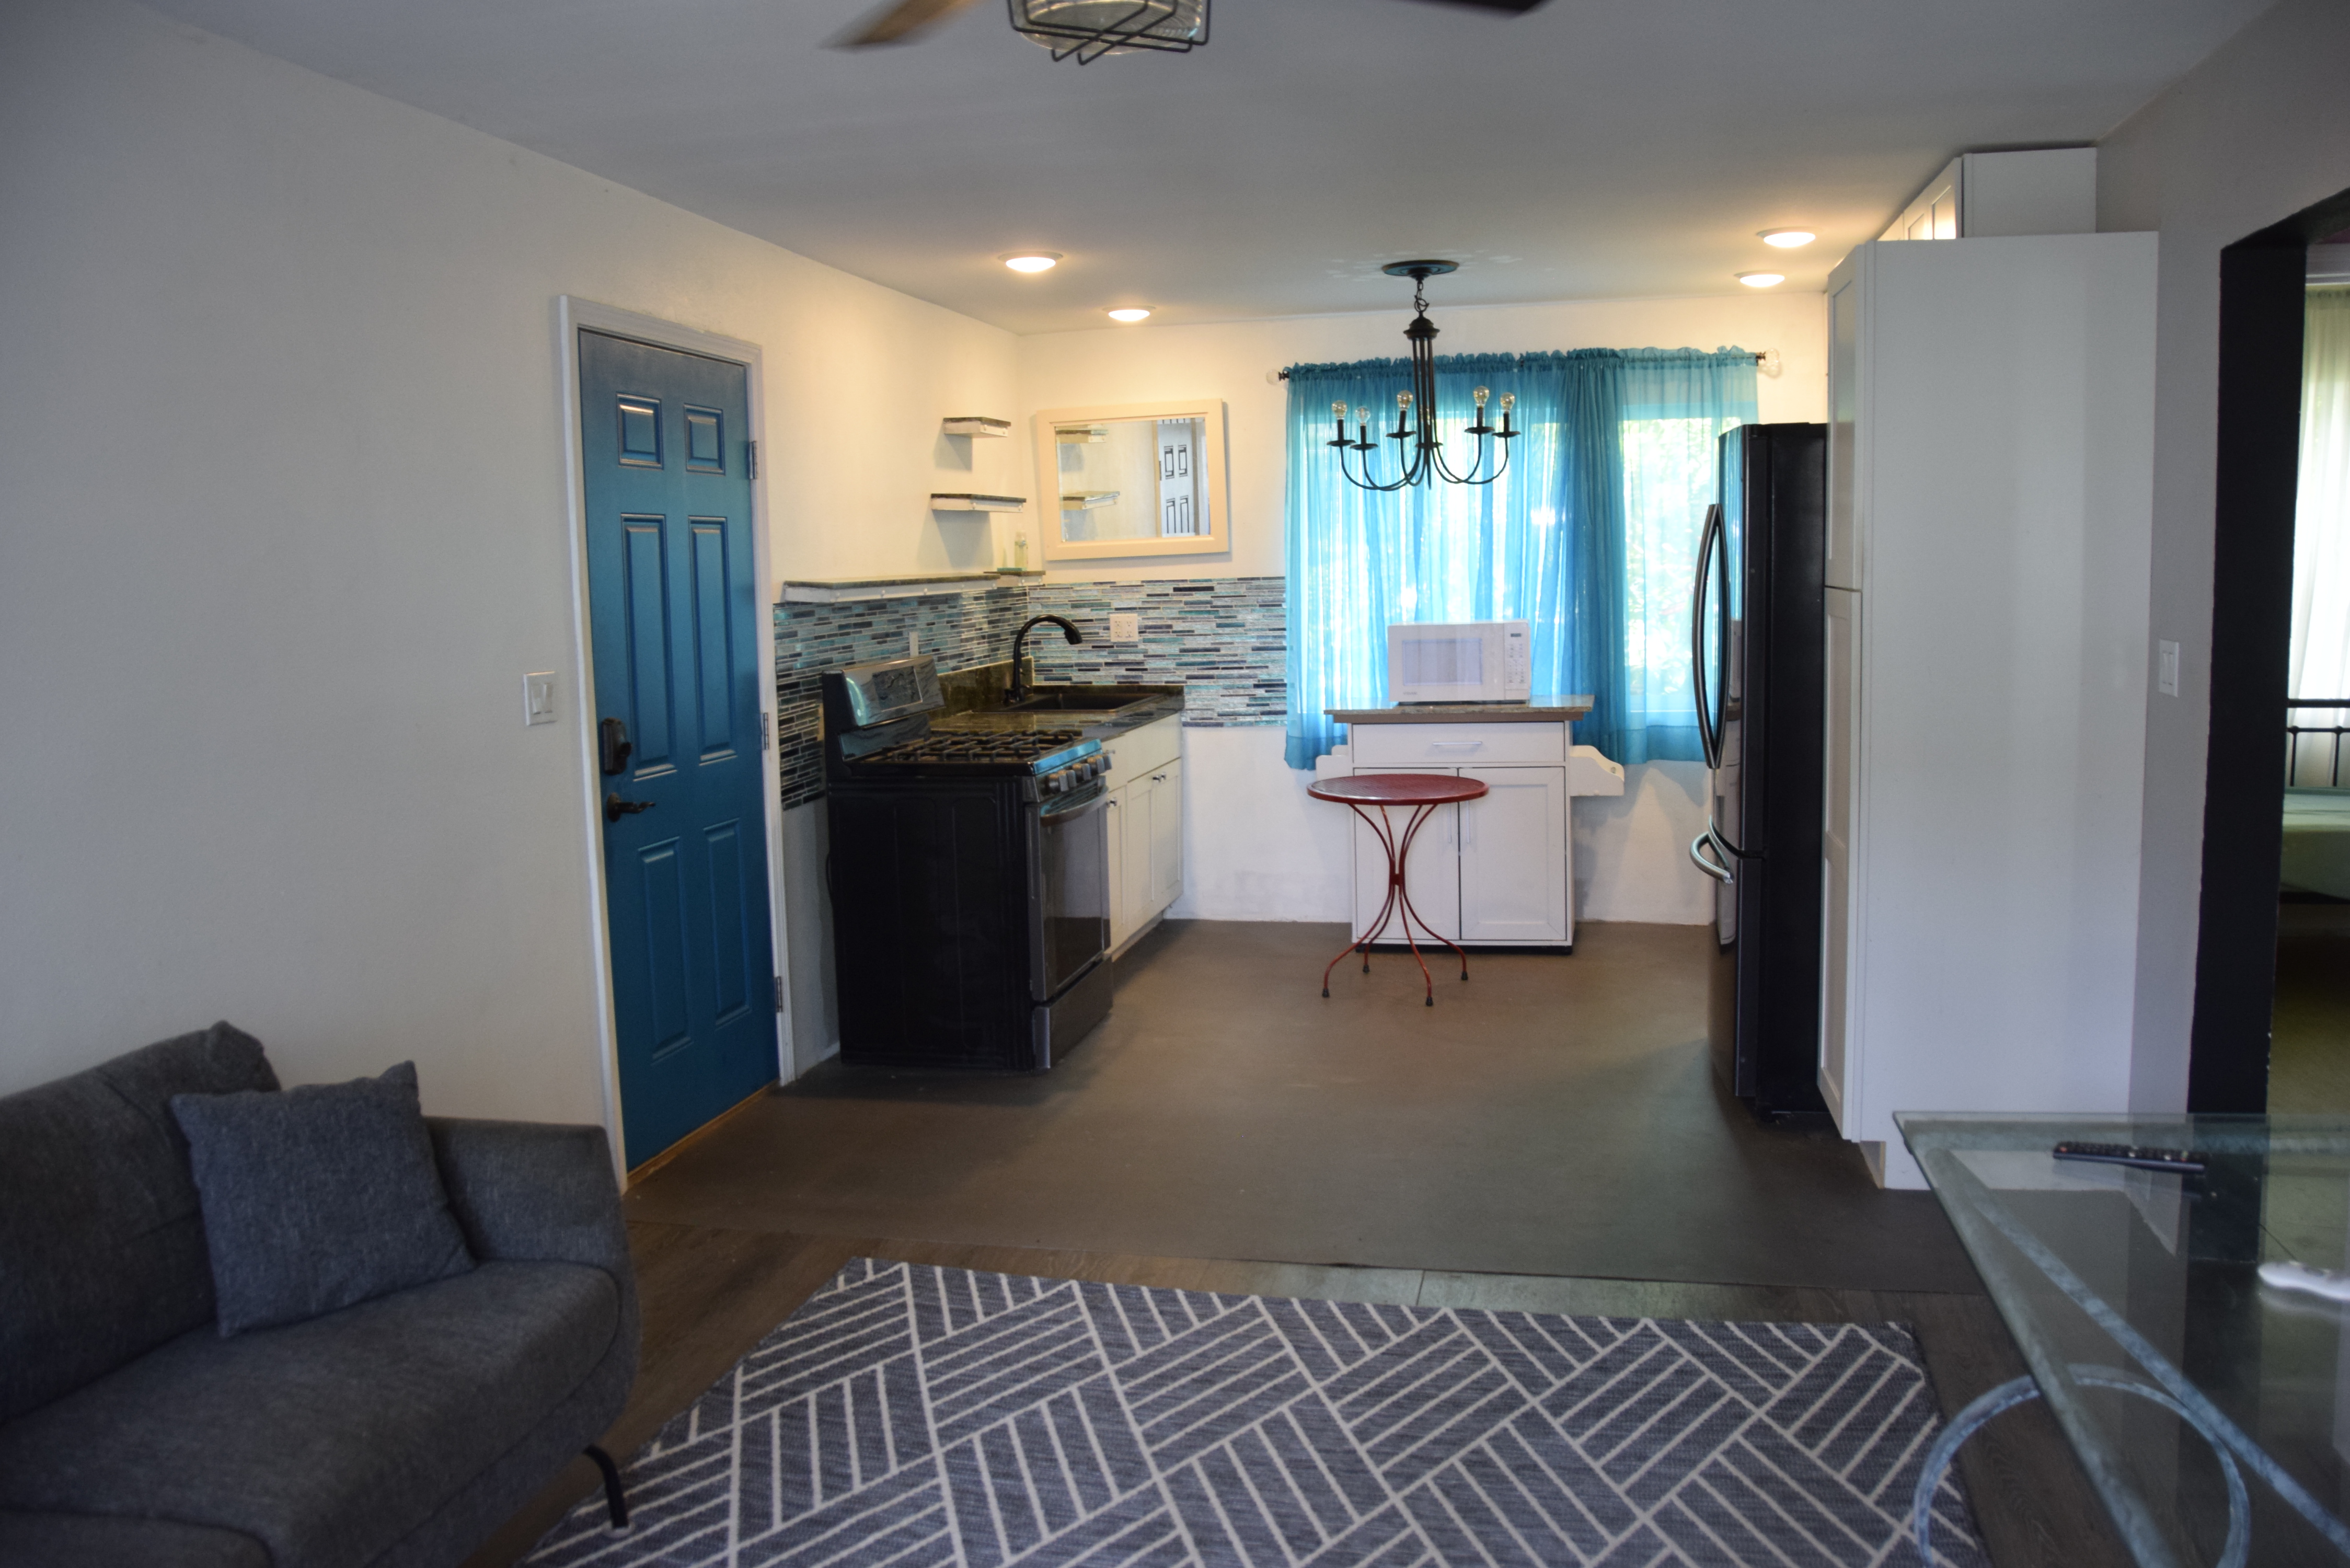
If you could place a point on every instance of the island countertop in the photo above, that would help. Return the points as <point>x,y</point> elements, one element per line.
<point>1544,710</point>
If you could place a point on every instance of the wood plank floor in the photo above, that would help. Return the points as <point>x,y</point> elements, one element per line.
<point>712,1292</point>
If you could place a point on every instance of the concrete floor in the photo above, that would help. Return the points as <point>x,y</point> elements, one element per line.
<point>2309,1049</point>
<point>1548,1137</point>
<point>1554,1115</point>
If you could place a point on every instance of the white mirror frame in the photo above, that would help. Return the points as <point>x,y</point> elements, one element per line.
<point>1214,540</point>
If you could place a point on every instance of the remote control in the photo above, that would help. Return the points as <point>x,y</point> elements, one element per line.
<point>2172,1159</point>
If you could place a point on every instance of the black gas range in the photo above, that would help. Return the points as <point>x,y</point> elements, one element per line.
<point>970,879</point>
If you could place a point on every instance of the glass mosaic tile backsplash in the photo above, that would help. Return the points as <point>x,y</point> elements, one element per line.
<point>1220,638</point>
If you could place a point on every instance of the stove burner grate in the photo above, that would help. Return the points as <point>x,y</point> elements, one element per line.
<point>1020,747</point>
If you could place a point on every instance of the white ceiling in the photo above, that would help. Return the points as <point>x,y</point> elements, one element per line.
<point>1594,149</point>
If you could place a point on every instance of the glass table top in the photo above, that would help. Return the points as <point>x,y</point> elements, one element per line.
<point>2137,1300</point>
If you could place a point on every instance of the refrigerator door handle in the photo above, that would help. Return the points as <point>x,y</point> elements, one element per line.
<point>1708,738</point>
<point>1699,858</point>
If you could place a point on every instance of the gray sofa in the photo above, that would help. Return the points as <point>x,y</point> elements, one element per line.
<point>400,1431</point>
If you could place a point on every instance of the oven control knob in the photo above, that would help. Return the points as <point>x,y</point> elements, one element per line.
<point>1054,783</point>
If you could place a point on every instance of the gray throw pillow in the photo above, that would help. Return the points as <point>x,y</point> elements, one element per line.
<point>317,1198</point>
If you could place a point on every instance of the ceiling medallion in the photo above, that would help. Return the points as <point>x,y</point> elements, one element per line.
<point>1420,454</point>
<point>1089,29</point>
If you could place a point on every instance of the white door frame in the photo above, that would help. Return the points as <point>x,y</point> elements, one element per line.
<point>572,315</point>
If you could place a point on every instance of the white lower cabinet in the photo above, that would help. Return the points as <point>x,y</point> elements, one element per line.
<point>1499,869</point>
<point>1145,827</point>
<point>1494,869</point>
<point>1433,873</point>
<point>1513,857</point>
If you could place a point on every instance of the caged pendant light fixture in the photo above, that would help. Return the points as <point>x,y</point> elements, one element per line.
<point>1419,451</point>
<point>1089,29</point>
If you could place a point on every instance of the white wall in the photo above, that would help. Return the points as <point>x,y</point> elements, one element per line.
<point>1631,853</point>
<point>2253,134</point>
<point>1229,360</point>
<point>283,524</point>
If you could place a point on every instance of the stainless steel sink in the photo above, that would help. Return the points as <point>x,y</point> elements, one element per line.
<point>1081,699</point>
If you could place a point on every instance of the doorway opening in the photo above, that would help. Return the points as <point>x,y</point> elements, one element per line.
<point>2271,1025</point>
<point>2309,1063</point>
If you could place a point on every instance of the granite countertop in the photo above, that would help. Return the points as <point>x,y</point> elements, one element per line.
<point>973,696</point>
<point>1092,726</point>
<point>1544,710</point>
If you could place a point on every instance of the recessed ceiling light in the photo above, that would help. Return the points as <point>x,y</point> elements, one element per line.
<point>1129,312</point>
<point>1030,261</point>
<point>1761,279</point>
<point>1788,239</point>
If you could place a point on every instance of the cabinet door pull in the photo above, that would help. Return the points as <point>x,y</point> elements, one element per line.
<point>1456,745</point>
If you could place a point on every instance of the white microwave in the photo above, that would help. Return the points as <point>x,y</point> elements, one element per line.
<point>1466,661</point>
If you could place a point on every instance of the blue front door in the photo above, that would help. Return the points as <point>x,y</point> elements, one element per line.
<point>674,604</point>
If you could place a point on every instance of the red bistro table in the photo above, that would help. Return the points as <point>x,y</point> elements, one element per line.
<point>1423,793</point>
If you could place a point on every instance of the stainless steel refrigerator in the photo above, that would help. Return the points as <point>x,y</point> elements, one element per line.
<point>1758,646</point>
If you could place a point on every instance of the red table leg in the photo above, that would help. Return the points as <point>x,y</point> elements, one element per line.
<point>1398,901</point>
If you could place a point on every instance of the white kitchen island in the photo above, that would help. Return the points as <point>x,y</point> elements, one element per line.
<point>1497,871</point>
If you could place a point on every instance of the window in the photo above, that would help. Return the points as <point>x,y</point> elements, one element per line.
<point>1590,535</point>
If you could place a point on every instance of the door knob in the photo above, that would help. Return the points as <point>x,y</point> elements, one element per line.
<point>615,808</point>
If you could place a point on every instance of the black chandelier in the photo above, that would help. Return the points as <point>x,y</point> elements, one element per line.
<point>1089,29</point>
<point>1421,452</point>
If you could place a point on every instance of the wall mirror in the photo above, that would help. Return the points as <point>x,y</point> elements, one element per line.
<point>1133,479</point>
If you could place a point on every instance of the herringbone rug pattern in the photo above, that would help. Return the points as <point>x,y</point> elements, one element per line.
<point>916,1416</point>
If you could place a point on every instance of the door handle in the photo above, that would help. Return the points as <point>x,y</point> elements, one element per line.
<point>1699,858</point>
<point>615,808</point>
<point>612,747</point>
<point>1708,741</point>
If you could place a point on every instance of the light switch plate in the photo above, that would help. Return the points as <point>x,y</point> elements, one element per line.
<point>2166,668</point>
<point>538,697</point>
<point>1125,626</point>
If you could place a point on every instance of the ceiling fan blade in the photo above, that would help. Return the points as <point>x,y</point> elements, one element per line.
<point>899,23</point>
<point>1518,7</point>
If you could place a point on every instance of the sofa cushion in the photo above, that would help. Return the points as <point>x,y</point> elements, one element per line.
<point>327,1440</point>
<point>317,1198</point>
<point>101,1247</point>
<point>88,1541</point>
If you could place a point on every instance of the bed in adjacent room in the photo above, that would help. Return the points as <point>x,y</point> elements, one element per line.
<point>2317,841</point>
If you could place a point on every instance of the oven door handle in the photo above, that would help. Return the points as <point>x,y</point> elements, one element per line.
<point>1077,803</point>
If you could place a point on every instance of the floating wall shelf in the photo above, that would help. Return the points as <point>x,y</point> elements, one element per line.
<point>1088,500</point>
<point>975,425</point>
<point>964,501</point>
<point>840,590</point>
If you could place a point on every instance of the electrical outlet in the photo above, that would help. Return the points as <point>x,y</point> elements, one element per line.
<point>913,643</point>
<point>538,697</point>
<point>2165,668</point>
<point>1125,626</point>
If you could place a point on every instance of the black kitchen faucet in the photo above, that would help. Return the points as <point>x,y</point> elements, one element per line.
<point>1019,637</point>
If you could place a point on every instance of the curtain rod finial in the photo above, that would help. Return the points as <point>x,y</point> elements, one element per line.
<point>1276,378</point>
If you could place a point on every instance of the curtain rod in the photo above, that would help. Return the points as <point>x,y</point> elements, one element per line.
<point>1766,360</point>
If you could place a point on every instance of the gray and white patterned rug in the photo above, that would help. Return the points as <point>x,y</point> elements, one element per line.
<point>913,1416</point>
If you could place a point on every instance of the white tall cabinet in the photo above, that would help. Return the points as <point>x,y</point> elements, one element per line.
<point>1990,452</point>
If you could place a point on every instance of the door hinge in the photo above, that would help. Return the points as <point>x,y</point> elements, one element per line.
<point>779,994</point>
<point>750,458</point>
<point>766,732</point>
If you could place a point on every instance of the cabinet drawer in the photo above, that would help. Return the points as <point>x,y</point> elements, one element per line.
<point>1142,751</point>
<point>1456,745</point>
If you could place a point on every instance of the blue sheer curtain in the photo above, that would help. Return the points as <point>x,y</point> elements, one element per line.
<point>1591,535</point>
